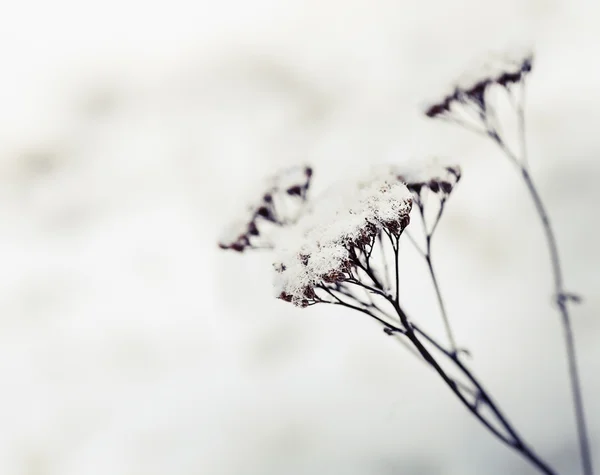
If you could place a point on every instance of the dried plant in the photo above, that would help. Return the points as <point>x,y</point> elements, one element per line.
<point>277,204</point>
<point>474,105</point>
<point>342,248</point>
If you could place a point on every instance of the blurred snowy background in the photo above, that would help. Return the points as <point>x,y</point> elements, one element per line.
<point>129,132</point>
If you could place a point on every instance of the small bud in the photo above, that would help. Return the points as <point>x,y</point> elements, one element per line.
<point>434,186</point>
<point>415,187</point>
<point>295,190</point>
<point>477,92</point>
<point>446,187</point>
<point>252,229</point>
<point>237,246</point>
<point>285,296</point>
<point>309,292</point>
<point>509,78</point>
<point>436,110</point>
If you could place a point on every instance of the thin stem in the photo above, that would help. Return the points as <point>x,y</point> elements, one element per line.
<point>449,381</point>
<point>586,459</point>
<point>441,304</point>
<point>561,300</point>
<point>562,297</point>
<point>395,246</point>
<point>339,301</point>
<point>516,442</point>
<point>415,244</point>
<point>428,260</point>
<point>386,270</point>
<point>481,397</point>
<point>521,126</point>
<point>375,290</point>
<point>397,322</point>
<point>466,372</point>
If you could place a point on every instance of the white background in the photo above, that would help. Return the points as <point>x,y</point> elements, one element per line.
<point>129,133</point>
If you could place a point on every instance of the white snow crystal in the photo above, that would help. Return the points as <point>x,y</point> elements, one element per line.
<point>315,250</point>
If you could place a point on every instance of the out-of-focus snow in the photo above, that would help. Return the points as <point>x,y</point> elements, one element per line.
<point>129,344</point>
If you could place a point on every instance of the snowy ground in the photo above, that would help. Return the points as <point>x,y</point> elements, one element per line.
<point>130,345</point>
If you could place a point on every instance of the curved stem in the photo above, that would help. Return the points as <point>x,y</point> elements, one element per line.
<point>440,300</point>
<point>561,295</point>
<point>515,441</point>
<point>561,300</point>
<point>428,259</point>
<point>470,392</point>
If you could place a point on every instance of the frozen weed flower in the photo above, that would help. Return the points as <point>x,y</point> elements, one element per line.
<point>473,106</point>
<point>332,243</point>
<point>427,179</point>
<point>277,203</point>
<point>335,253</point>
<point>438,178</point>
<point>468,101</point>
<point>434,175</point>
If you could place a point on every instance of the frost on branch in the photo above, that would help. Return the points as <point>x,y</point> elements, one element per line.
<point>336,236</point>
<point>276,203</point>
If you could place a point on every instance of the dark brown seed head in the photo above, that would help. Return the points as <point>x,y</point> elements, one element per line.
<point>333,277</point>
<point>435,110</point>
<point>295,190</point>
<point>252,229</point>
<point>509,78</point>
<point>285,296</point>
<point>446,186</point>
<point>454,171</point>
<point>477,92</point>
<point>237,246</point>
<point>304,259</point>
<point>415,187</point>
<point>527,64</point>
<point>309,292</point>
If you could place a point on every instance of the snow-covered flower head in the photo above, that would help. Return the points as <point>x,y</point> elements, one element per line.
<point>333,237</point>
<point>470,90</point>
<point>276,202</point>
<point>433,174</point>
<point>325,248</point>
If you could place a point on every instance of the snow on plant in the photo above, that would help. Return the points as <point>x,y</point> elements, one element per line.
<point>277,202</point>
<point>342,248</point>
<point>473,105</point>
<point>334,239</point>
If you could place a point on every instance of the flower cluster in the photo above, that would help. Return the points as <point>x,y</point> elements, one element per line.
<point>333,249</point>
<point>279,197</point>
<point>328,243</point>
<point>331,242</point>
<point>471,90</point>
<point>433,175</point>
